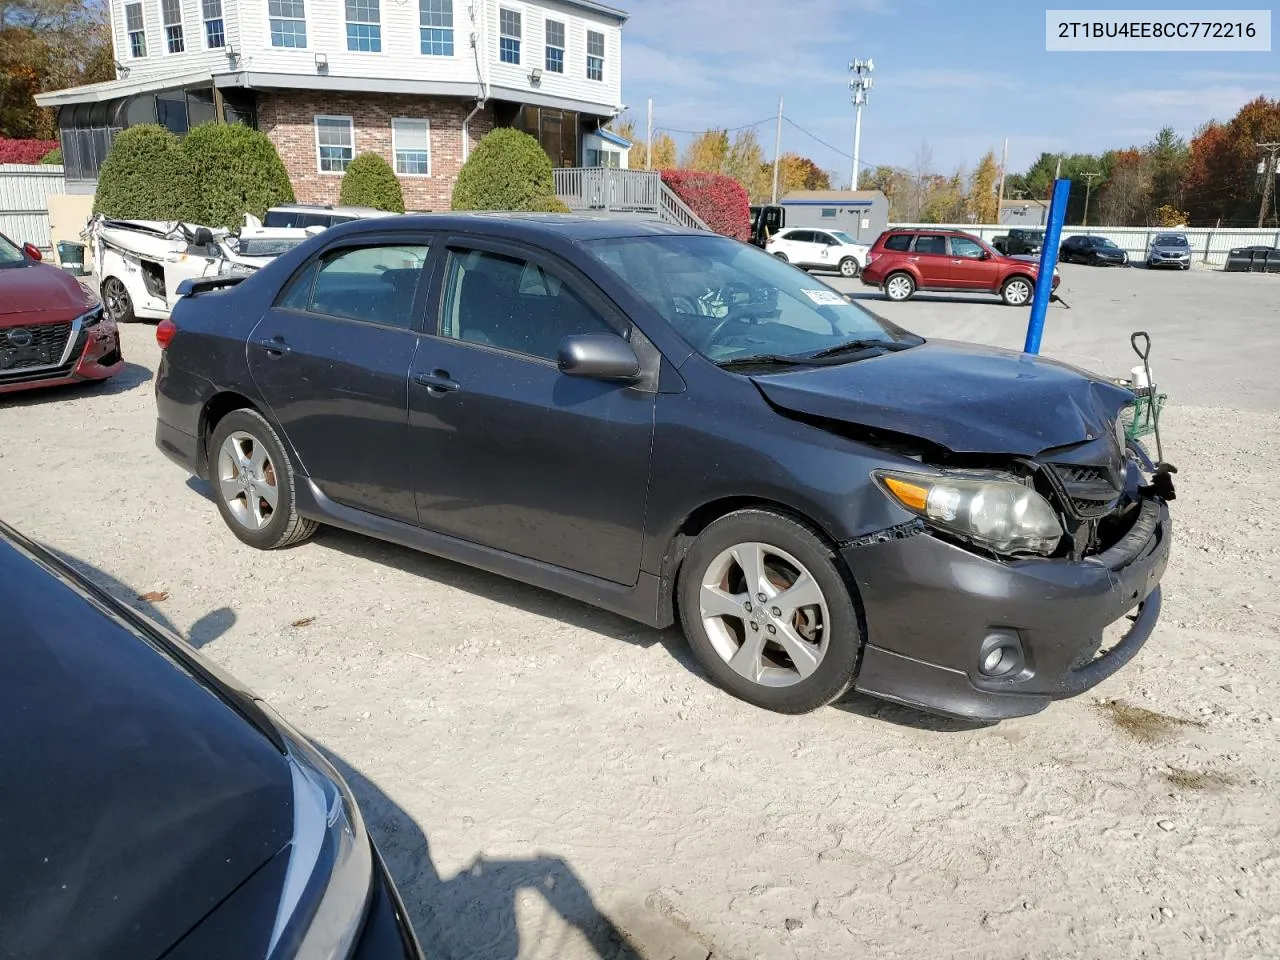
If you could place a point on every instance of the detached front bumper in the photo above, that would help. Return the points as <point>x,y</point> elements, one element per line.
<point>931,606</point>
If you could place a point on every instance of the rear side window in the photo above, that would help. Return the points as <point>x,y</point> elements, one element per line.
<point>373,284</point>
<point>280,218</point>
<point>801,236</point>
<point>931,243</point>
<point>899,241</point>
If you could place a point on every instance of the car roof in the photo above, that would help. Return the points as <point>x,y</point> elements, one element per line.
<point>530,227</point>
<point>329,208</point>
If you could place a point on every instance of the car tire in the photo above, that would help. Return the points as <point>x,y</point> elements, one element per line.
<point>1092,260</point>
<point>849,268</point>
<point>773,664</point>
<point>1017,291</point>
<point>116,303</point>
<point>782,257</point>
<point>247,462</point>
<point>899,286</point>
<point>1186,266</point>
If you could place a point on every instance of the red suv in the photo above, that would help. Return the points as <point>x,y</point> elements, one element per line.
<point>904,261</point>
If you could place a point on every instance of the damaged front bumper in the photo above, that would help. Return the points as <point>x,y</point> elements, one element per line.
<point>933,609</point>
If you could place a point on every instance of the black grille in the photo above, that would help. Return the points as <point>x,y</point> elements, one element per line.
<point>1089,491</point>
<point>30,373</point>
<point>42,346</point>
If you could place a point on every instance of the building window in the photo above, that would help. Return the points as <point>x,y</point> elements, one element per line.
<point>435,19</point>
<point>134,24</point>
<point>509,36</point>
<point>215,33</point>
<point>171,13</point>
<point>604,158</point>
<point>335,143</point>
<point>555,46</point>
<point>411,143</point>
<point>828,213</point>
<point>364,30</point>
<point>288,23</point>
<point>595,55</point>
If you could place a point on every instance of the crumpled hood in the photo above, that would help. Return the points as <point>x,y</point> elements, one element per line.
<point>964,397</point>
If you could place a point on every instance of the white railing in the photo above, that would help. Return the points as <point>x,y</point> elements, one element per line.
<point>1208,244</point>
<point>24,201</point>
<point>623,191</point>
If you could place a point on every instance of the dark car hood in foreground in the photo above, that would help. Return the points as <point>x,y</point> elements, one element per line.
<point>132,800</point>
<point>964,397</point>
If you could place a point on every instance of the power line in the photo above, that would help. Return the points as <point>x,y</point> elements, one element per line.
<point>814,136</point>
<point>696,133</point>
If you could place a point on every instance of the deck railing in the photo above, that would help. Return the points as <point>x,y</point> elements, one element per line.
<point>622,191</point>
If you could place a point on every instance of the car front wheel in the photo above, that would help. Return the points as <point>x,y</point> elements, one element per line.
<point>782,256</point>
<point>768,613</point>
<point>899,286</point>
<point>253,482</point>
<point>116,302</point>
<point>849,267</point>
<point>1016,291</point>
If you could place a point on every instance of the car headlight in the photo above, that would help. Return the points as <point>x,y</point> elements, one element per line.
<point>228,267</point>
<point>330,872</point>
<point>1002,515</point>
<point>90,319</point>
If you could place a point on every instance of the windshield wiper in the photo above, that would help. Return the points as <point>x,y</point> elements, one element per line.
<point>852,346</point>
<point>765,360</point>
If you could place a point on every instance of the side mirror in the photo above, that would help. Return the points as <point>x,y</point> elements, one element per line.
<point>32,251</point>
<point>598,356</point>
<point>986,255</point>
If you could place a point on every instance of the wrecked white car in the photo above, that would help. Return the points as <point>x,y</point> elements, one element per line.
<point>138,264</point>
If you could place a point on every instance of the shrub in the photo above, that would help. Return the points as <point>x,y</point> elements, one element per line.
<point>508,170</point>
<point>145,176</point>
<point>548,205</point>
<point>370,182</point>
<point>25,151</point>
<point>54,156</point>
<point>720,200</point>
<point>234,170</point>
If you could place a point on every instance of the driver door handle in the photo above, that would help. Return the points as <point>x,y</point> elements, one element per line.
<point>277,346</point>
<point>437,382</point>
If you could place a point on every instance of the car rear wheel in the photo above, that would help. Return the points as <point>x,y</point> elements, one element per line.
<point>899,286</point>
<point>849,267</point>
<point>115,301</point>
<point>1016,291</point>
<point>253,482</point>
<point>768,613</point>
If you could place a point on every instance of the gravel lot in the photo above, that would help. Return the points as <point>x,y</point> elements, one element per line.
<point>550,781</point>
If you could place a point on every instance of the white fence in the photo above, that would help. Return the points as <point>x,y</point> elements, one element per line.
<point>1208,245</point>
<point>24,201</point>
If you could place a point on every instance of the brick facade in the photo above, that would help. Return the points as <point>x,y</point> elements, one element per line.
<point>287,117</point>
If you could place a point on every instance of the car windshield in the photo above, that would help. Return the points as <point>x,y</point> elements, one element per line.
<point>842,236</point>
<point>11,254</point>
<point>266,246</point>
<point>1103,242</point>
<point>1171,240</point>
<point>731,301</point>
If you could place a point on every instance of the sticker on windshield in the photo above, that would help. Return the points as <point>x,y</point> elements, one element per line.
<point>825,298</point>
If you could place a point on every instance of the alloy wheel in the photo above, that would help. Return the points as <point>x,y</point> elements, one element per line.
<point>247,480</point>
<point>115,298</point>
<point>848,267</point>
<point>898,288</point>
<point>765,614</point>
<point>1017,292</point>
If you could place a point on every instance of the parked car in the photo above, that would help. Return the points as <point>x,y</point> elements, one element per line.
<point>1095,251</point>
<point>317,215</point>
<point>766,220</point>
<point>1170,250</point>
<point>631,413</point>
<point>1019,241</point>
<point>52,329</point>
<point>154,807</point>
<point>819,250</point>
<point>904,261</point>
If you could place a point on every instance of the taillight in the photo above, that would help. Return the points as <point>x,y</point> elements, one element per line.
<point>165,330</point>
<point>872,257</point>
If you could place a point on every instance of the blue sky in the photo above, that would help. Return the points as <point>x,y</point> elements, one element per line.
<point>961,76</point>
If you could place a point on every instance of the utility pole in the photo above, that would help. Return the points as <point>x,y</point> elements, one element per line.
<point>860,84</point>
<point>1004,170</point>
<point>777,153</point>
<point>1269,178</point>
<point>1057,173</point>
<point>648,139</point>
<point>1088,186</point>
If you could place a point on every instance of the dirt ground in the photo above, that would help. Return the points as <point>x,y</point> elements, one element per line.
<point>547,780</point>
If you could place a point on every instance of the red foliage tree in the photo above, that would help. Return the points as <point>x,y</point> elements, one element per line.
<point>720,200</point>
<point>1222,178</point>
<point>25,151</point>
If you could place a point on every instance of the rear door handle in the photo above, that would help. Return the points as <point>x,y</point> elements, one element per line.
<point>276,346</point>
<point>437,382</point>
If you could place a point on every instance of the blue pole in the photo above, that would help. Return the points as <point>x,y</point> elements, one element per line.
<point>1048,261</point>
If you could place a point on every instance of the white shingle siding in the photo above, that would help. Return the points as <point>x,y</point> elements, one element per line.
<point>158,61</point>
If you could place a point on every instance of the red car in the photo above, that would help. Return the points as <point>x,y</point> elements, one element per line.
<point>52,329</point>
<point>904,261</point>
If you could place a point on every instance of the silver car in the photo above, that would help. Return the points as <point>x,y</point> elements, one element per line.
<point>1170,250</point>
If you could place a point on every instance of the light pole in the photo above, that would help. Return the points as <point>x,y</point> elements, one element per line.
<point>859,85</point>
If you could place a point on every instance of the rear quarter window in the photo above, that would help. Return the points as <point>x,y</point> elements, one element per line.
<point>899,241</point>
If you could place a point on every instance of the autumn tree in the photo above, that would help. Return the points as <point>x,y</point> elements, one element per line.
<point>1221,177</point>
<point>1166,158</point>
<point>664,153</point>
<point>745,163</point>
<point>982,205</point>
<point>707,152</point>
<point>798,173</point>
<point>1123,199</point>
<point>898,185</point>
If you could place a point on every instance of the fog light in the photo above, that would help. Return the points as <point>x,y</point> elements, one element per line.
<point>1000,654</point>
<point>991,665</point>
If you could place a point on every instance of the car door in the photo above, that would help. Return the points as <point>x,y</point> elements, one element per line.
<point>827,248</point>
<point>332,359</point>
<point>971,267</point>
<point>929,254</point>
<point>509,452</point>
<point>799,246</point>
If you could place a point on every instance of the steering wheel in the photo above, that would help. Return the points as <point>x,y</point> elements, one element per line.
<point>729,317</point>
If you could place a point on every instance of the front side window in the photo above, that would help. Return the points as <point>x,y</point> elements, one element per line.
<point>730,300</point>
<point>843,237</point>
<point>555,46</point>
<point>595,55</point>
<point>215,32</point>
<point>511,304</point>
<point>335,144</point>
<point>435,27</point>
<point>899,241</point>
<point>509,35</point>
<point>288,23</point>
<point>964,247</point>
<point>171,13</point>
<point>411,141</point>
<point>136,28</point>
<point>372,284</point>
<point>364,26</point>
<point>11,254</point>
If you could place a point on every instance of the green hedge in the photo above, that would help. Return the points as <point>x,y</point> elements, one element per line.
<point>370,182</point>
<point>235,170</point>
<point>144,176</point>
<point>507,170</point>
<point>54,156</point>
